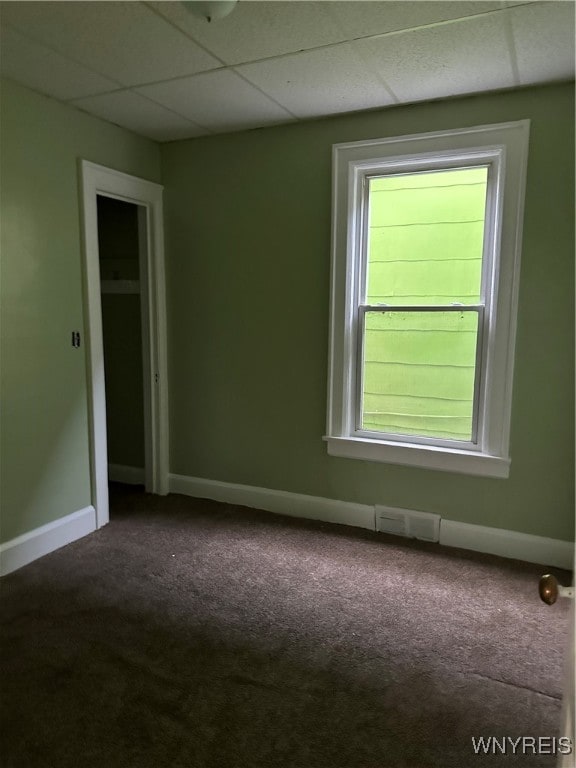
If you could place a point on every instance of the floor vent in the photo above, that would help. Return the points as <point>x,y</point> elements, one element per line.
<point>408,522</point>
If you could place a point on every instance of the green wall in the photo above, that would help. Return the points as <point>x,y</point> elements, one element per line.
<point>44,434</point>
<point>248,250</point>
<point>248,258</point>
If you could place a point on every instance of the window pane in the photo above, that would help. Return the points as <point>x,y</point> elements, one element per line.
<point>418,373</point>
<point>425,237</point>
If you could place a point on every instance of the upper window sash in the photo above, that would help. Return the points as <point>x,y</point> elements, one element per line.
<point>358,207</point>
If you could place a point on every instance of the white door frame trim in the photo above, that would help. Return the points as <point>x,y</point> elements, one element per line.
<point>99,180</point>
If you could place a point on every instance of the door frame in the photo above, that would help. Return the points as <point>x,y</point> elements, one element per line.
<point>98,180</point>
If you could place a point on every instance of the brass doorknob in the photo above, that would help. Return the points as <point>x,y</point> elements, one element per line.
<point>549,589</point>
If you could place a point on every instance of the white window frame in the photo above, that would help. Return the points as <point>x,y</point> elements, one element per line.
<point>504,149</point>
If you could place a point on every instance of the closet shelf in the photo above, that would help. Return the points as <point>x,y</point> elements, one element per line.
<point>120,286</point>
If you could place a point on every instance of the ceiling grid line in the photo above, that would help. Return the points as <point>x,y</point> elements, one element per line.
<point>168,109</point>
<point>268,96</point>
<point>265,59</point>
<point>159,70</point>
<point>26,34</point>
<point>386,86</point>
<point>362,38</point>
<point>166,20</point>
<point>509,32</point>
<point>377,74</point>
<point>288,54</point>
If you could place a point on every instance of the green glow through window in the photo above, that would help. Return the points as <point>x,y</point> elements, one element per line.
<point>424,249</point>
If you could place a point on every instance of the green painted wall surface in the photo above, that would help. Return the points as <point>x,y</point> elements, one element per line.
<point>248,248</point>
<point>44,448</point>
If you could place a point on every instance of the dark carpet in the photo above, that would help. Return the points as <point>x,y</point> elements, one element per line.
<point>198,634</point>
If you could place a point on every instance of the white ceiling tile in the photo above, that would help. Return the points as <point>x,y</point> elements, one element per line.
<point>360,19</point>
<point>76,50</point>
<point>544,41</point>
<point>322,82</point>
<point>46,71</point>
<point>461,57</point>
<point>138,114</point>
<point>255,30</point>
<point>218,100</point>
<point>122,40</point>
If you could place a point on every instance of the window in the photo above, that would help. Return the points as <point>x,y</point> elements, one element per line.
<point>426,247</point>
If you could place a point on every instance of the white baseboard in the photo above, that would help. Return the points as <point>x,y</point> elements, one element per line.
<point>119,473</point>
<point>480,538</point>
<point>282,502</point>
<point>535,549</point>
<point>497,541</point>
<point>41,541</point>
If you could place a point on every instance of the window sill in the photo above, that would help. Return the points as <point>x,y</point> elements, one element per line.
<point>423,456</point>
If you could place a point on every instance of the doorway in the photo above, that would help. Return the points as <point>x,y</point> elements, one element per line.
<point>121,232</point>
<point>125,331</point>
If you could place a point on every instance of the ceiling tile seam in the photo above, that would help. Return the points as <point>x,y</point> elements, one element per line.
<point>121,86</point>
<point>164,80</point>
<point>324,46</point>
<point>249,61</point>
<point>509,33</point>
<point>363,38</point>
<point>46,95</point>
<point>51,48</point>
<point>186,34</point>
<point>124,87</point>
<point>431,25</point>
<point>225,66</point>
<point>135,86</point>
<point>110,121</point>
<point>121,89</point>
<point>532,3</point>
<point>173,111</point>
<point>75,102</point>
<point>263,92</point>
<point>266,59</point>
<point>369,65</point>
<point>327,8</point>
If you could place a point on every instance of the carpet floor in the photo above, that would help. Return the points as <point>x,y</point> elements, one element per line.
<point>189,633</point>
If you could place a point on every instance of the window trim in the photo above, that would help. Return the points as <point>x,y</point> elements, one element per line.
<point>505,148</point>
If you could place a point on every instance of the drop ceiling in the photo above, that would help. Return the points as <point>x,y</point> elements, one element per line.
<point>158,70</point>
